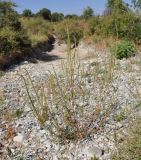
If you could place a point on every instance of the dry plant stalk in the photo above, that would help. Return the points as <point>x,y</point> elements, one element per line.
<point>65,104</point>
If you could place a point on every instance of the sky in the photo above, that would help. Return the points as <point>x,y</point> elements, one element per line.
<point>64,6</point>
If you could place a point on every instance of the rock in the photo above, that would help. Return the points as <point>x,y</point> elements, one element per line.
<point>91,151</point>
<point>19,138</point>
<point>25,62</point>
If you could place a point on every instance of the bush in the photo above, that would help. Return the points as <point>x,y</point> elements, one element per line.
<point>136,31</point>
<point>123,49</point>
<point>45,14</point>
<point>92,25</point>
<point>73,27</point>
<point>12,40</point>
<point>8,16</point>
<point>71,16</point>
<point>12,37</point>
<point>56,17</point>
<point>88,13</point>
<point>27,13</point>
<point>37,29</point>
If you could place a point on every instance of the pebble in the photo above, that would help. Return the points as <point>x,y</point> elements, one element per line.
<point>35,140</point>
<point>19,138</point>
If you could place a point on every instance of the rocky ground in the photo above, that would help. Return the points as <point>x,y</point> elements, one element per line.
<point>21,136</point>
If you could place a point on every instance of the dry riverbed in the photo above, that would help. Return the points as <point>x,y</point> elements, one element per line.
<point>21,136</point>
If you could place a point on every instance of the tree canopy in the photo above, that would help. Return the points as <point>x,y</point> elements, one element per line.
<point>45,13</point>
<point>27,13</point>
<point>88,13</point>
<point>56,17</point>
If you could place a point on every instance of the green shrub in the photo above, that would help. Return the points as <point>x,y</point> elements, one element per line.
<point>27,13</point>
<point>11,40</point>
<point>45,14</point>
<point>123,49</point>
<point>37,29</point>
<point>88,13</point>
<point>120,23</point>
<point>73,27</point>
<point>12,37</point>
<point>136,32</point>
<point>56,17</point>
<point>92,25</point>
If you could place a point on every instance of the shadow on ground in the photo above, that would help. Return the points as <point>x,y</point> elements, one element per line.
<point>40,52</point>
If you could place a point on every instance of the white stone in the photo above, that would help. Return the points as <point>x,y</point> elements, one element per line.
<point>19,138</point>
<point>91,151</point>
<point>25,62</point>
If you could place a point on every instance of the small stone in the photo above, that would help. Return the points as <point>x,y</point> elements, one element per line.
<point>19,138</point>
<point>43,131</point>
<point>25,62</point>
<point>93,150</point>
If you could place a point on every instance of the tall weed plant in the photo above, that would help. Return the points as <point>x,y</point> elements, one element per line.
<point>75,30</point>
<point>67,104</point>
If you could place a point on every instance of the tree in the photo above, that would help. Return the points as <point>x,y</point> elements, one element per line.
<point>12,37</point>
<point>8,16</point>
<point>88,13</point>
<point>116,6</point>
<point>27,13</point>
<point>119,20</point>
<point>71,16</point>
<point>45,13</point>
<point>6,7</point>
<point>56,17</point>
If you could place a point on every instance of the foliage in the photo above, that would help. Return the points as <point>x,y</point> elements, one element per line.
<point>45,14</point>
<point>117,6</point>
<point>12,40</point>
<point>130,149</point>
<point>27,13</point>
<point>135,34</point>
<point>124,49</point>
<point>11,33</point>
<point>73,27</point>
<point>92,25</point>
<point>71,16</point>
<point>8,17</point>
<point>88,13</point>
<point>37,29</point>
<point>118,21</point>
<point>56,17</point>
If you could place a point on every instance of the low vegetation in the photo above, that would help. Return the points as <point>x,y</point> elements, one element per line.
<point>123,49</point>
<point>73,27</point>
<point>67,105</point>
<point>12,37</point>
<point>19,32</point>
<point>64,103</point>
<point>130,149</point>
<point>37,29</point>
